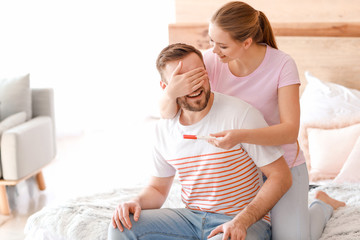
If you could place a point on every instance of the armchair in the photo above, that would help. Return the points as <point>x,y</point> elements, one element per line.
<point>28,147</point>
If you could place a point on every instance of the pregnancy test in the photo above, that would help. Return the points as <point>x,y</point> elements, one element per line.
<point>194,137</point>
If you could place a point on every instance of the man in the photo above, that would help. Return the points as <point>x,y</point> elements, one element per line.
<point>222,189</point>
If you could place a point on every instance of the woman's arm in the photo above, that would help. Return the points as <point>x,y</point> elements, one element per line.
<point>285,132</point>
<point>168,106</point>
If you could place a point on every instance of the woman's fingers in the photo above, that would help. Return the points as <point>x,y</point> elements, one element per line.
<point>177,69</point>
<point>218,134</point>
<point>186,83</point>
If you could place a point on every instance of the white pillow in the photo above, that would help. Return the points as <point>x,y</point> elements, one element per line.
<point>323,100</point>
<point>15,96</point>
<point>350,170</point>
<point>329,149</point>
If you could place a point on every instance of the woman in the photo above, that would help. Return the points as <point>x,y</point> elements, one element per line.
<point>244,62</point>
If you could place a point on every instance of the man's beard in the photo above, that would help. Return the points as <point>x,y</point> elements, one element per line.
<point>196,106</point>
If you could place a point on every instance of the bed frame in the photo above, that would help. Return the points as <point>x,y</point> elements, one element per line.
<point>329,51</point>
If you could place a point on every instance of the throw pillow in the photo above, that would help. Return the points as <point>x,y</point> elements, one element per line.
<point>350,170</point>
<point>326,105</point>
<point>15,96</point>
<point>327,145</point>
<point>324,100</point>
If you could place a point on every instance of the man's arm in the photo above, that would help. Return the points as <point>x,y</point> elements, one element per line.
<point>155,194</point>
<point>278,182</point>
<point>151,197</point>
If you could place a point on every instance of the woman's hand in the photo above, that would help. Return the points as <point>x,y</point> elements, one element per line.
<point>231,230</point>
<point>183,84</point>
<point>121,217</point>
<point>226,139</point>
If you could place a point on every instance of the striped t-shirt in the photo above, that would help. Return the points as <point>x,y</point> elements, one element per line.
<point>214,179</point>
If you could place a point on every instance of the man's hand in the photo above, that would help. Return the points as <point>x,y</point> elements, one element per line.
<point>232,229</point>
<point>121,215</point>
<point>151,197</point>
<point>183,84</point>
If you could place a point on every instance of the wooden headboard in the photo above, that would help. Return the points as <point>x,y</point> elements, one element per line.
<point>329,51</point>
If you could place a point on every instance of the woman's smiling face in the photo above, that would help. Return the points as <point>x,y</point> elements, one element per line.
<point>224,45</point>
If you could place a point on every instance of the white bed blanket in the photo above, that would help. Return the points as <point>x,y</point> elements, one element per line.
<point>88,218</point>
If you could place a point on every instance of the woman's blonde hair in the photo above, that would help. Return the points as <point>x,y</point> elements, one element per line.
<point>242,21</point>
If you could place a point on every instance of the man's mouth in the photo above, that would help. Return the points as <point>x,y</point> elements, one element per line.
<point>195,94</point>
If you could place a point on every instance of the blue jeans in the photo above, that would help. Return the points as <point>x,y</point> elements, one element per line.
<point>182,223</point>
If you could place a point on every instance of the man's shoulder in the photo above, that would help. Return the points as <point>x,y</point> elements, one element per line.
<point>163,125</point>
<point>166,122</point>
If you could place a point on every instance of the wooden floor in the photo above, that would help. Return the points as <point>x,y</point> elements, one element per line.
<point>85,164</point>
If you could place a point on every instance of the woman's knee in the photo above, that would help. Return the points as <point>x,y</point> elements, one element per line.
<point>259,231</point>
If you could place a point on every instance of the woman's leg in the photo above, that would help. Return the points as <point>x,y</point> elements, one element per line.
<point>290,216</point>
<point>320,212</point>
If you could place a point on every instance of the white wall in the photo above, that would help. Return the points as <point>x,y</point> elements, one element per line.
<point>98,55</point>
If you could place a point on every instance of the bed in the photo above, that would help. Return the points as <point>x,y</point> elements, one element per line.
<point>328,57</point>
